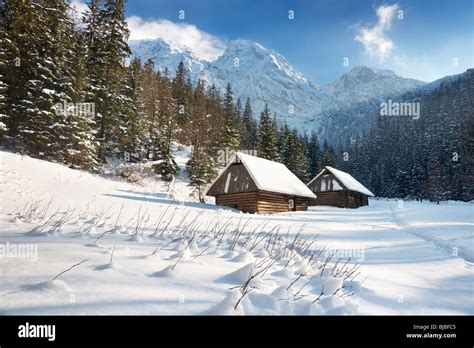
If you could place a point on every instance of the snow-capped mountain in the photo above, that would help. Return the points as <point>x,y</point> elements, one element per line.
<point>356,98</point>
<point>267,77</point>
<point>252,70</point>
<point>363,84</point>
<point>446,81</point>
<point>168,55</point>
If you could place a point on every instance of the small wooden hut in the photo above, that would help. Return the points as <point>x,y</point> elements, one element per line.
<point>256,185</point>
<point>339,189</point>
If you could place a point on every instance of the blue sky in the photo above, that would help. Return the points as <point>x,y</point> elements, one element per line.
<point>433,38</point>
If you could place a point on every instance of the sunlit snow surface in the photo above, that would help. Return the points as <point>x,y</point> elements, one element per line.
<point>415,258</point>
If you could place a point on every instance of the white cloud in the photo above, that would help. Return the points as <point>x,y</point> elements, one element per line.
<point>79,5</point>
<point>202,44</point>
<point>77,9</point>
<point>375,41</point>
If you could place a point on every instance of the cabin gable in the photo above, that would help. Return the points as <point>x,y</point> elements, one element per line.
<point>235,179</point>
<point>332,191</point>
<point>326,181</point>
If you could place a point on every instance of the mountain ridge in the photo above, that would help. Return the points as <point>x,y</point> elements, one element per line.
<point>267,77</point>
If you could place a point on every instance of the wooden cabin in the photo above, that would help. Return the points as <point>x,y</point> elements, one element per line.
<point>256,185</point>
<point>339,189</point>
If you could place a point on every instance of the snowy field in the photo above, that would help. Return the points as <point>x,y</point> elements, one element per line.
<point>149,248</point>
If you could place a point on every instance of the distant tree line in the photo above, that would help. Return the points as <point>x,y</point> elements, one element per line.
<point>430,157</point>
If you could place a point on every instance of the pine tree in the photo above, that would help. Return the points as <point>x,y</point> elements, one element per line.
<point>238,114</point>
<point>91,23</point>
<point>238,110</point>
<point>34,76</point>
<point>293,152</point>
<point>80,146</point>
<point>434,181</point>
<point>417,180</point>
<point>149,99</point>
<point>15,24</point>
<point>327,157</point>
<point>268,137</point>
<point>202,167</point>
<point>215,124</point>
<point>44,73</point>
<point>107,32</point>
<point>200,172</point>
<point>301,158</point>
<point>135,125</point>
<point>61,79</point>
<point>230,138</point>
<point>167,106</point>
<point>199,122</point>
<point>182,93</point>
<point>314,155</point>
<point>249,128</point>
<point>283,139</point>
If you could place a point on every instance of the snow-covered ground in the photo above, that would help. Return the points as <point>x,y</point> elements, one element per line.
<point>150,248</point>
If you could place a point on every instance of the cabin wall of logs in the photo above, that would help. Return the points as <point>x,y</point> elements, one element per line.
<point>270,202</point>
<point>263,202</point>
<point>340,199</point>
<point>245,201</point>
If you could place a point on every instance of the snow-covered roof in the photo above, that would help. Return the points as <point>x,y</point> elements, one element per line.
<point>347,180</point>
<point>272,176</point>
